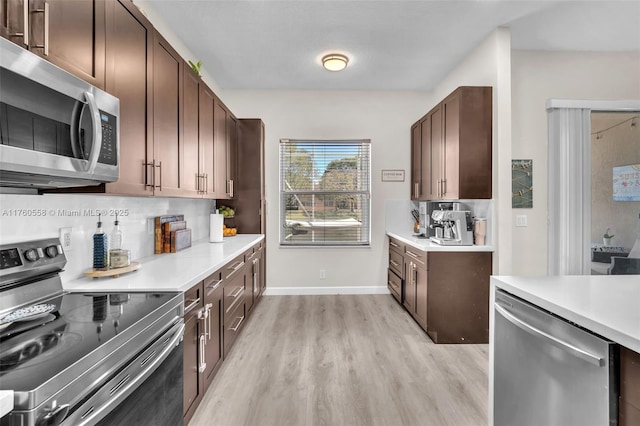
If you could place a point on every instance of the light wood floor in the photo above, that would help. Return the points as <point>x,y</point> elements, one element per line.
<point>344,360</point>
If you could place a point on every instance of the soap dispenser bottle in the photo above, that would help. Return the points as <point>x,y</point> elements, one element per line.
<point>100,248</point>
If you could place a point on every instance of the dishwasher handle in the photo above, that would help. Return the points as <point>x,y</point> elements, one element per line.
<point>567,347</point>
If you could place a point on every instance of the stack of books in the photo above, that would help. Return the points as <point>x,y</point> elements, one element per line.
<point>171,234</point>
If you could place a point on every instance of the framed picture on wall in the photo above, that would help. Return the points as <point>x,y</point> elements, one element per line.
<point>626,183</point>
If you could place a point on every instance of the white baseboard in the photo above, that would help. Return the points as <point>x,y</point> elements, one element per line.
<point>293,291</point>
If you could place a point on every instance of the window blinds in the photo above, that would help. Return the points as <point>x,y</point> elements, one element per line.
<point>325,192</point>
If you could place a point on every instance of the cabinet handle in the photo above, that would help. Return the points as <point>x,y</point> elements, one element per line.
<point>392,244</point>
<point>394,263</point>
<point>207,318</point>
<point>234,329</point>
<point>214,284</point>
<point>236,267</point>
<point>192,305</point>
<point>412,254</point>
<point>237,292</point>
<point>416,190</point>
<point>159,166</point>
<point>145,165</point>
<point>45,10</point>
<point>231,188</point>
<point>444,187</point>
<point>203,365</point>
<point>206,183</point>
<point>25,23</point>
<point>392,284</point>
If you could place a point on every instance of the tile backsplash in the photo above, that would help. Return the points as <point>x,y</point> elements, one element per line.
<point>28,217</point>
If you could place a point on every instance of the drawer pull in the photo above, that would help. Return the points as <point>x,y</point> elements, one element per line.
<point>192,305</point>
<point>237,292</point>
<point>391,283</point>
<point>236,266</point>
<point>392,244</point>
<point>394,263</point>
<point>412,254</point>
<point>234,329</point>
<point>214,284</point>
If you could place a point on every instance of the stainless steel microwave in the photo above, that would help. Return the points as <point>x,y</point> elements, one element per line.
<point>57,130</point>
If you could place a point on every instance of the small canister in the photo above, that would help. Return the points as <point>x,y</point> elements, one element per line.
<point>119,258</point>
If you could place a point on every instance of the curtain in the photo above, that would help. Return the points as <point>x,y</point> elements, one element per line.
<point>569,191</point>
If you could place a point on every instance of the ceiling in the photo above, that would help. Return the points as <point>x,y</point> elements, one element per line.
<point>392,45</point>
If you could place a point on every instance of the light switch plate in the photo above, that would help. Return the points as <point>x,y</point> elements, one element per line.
<point>521,220</point>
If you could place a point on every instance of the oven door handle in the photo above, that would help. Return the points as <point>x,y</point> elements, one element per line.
<point>94,409</point>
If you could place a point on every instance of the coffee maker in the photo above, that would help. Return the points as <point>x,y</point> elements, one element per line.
<point>452,227</point>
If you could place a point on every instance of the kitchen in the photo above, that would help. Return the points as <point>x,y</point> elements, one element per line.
<point>522,79</point>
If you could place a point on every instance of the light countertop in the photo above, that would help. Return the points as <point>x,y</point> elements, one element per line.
<point>608,305</point>
<point>425,244</point>
<point>6,402</point>
<point>171,271</point>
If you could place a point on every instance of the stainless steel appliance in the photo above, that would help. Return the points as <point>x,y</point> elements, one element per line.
<point>452,227</point>
<point>56,129</point>
<point>548,371</point>
<point>94,358</point>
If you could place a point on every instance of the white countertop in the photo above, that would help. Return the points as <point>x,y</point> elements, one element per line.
<point>171,271</point>
<point>425,244</point>
<point>6,402</point>
<point>608,305</point>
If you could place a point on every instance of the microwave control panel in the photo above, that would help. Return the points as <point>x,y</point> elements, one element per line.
<point>109,151</point>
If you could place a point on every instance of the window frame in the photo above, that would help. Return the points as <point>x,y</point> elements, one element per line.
<point>365,195</point>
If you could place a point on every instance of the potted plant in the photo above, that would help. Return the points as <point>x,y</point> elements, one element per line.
<point>606,238</point>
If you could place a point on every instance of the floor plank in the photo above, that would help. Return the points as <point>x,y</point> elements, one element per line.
<point>344,360</point>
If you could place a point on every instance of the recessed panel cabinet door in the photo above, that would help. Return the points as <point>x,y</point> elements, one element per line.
<point>435,155</point>
<point>205,124</point>
<point>70,34</point>
<point>14,14</point>
<point>190,176</point>
<point>220,135</point>
<point>129,78</point>
<point>167,105</point>
<point>416,162</point>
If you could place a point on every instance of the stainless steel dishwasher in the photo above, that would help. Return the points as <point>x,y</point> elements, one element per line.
<point>548,371</point>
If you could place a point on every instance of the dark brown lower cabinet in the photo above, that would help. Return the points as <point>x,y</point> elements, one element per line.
<point>629,407</point>
<point>213,325</point>
<point>447,293</point>
<point>193,380</point>
<point>234,307</point>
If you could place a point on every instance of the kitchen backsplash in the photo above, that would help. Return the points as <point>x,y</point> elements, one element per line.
<point>398,217</point>
<point>26,217</point>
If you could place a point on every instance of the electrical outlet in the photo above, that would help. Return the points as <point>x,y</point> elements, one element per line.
<point>323,274</point>
<point>65,239</point>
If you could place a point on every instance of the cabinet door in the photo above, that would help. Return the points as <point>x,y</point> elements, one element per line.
<point>409,286</point>
<point>451,147</point>
<point>191,362</point>
<point>435,155</point>
<point>421,296</point>
<point>425,160</point>
<point>232,155</point>
<point>190,173</point>
<point>129,77</point>
<point>14,15</point>
<point>220,142</point>
<point>416,161</point>
<point>70,34</point>
<point>167,112</point>
<point>213,332</point>
<point>205,113</point>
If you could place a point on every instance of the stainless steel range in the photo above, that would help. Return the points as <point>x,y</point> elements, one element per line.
<point>74,358</point>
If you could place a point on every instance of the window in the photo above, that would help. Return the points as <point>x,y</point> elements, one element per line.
<point>325,192</point>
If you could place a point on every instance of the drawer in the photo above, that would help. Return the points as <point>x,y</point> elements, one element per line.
<point>396,245</point>
<point>212,282</point>
<point>233,322</point>
<point>418,256</point>
<point>193,300</point>
<point>630,377</point>
<point>396,262</point>
<point>395,285</point>
<point>233,293</point>
<point>234,266</point>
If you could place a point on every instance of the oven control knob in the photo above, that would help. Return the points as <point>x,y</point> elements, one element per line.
<point>51,251</point>
<point>31,255</point>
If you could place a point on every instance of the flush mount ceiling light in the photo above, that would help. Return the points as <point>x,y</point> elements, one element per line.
<point>334,62</point>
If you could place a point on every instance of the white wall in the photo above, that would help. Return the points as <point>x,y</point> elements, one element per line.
<point>489,64</point>
<point>538,76</point>
<point>27,217</point>
<point>383,117</point>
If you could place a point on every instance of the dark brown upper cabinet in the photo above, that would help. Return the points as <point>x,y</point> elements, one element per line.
<point>68,33</point>
<point>224,134</point>
<point>129,76</point>
<point>451,147</point>
<point>192,182</point>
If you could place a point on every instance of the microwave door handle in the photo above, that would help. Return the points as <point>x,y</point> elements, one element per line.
<point>97,132</point>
